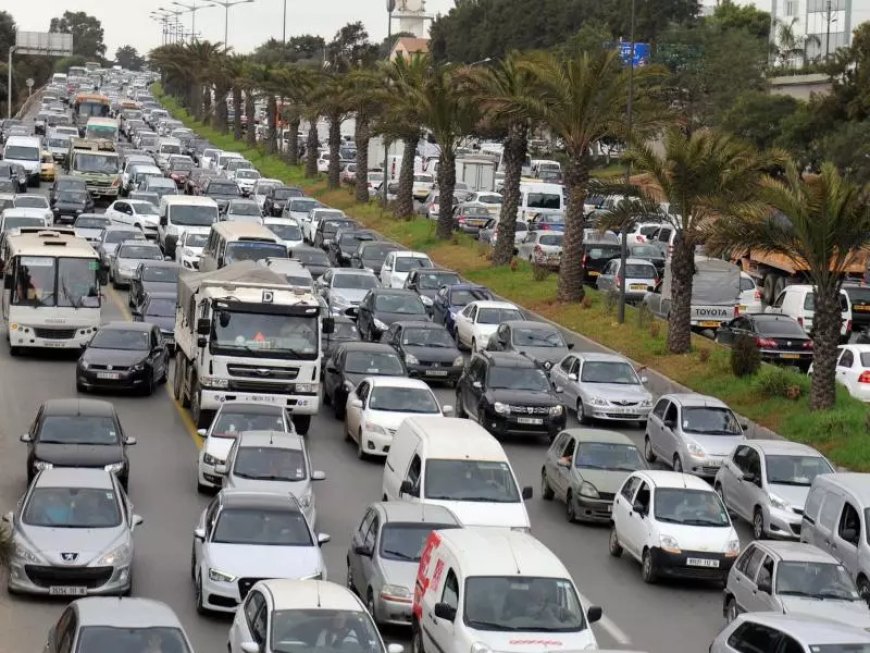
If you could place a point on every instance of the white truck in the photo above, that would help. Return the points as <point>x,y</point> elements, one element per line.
<point>477,173</point>
<point>243,334</point>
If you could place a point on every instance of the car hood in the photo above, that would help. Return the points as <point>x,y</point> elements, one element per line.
<point>716,445</point>
<point>352,295</point>
<point>604,480</point>
<point>795,495</point>
<point>70,206</point>
<point>392,419</point>
<point>88,233</point>
<point>851,613</point>
<point>545,354</point>
<point>296,488</point>
<point>389,318</point>
<point>218,447</point>
<point>434,354</point>
<point>249,561</point>
<point>618,391</point>
<point>521,397</point>
<point>78,455</point>
<point>114,357</point>
<point>484,513</point>
<point>399,572</point>
<point>88,543</point>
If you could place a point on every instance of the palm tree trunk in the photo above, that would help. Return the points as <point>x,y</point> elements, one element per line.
<point>405,194</point>
<point>446,188</point>
<point>237,112</point>
<point>680,315</point>
<point>826,336</point>
<point>311,148</point>
<point>515,148</point>
<point>219,119</point>
<point>332,180</point>
<point>293,139</point>
<point>206,102</point>
<point>570,286</point>
<point>251,118</point>
<point>194,96</point>
<point>271,123</point>
<point>362,136</point>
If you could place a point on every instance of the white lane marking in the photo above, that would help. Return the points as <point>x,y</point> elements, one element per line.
<point>614,631</point>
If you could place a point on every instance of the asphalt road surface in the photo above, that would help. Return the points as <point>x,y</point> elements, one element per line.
<point>665,618</point>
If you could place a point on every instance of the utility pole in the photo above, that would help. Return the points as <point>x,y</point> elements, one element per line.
<point>226,4</point>
<point>284,26</point>
<point>623,249</point>
<point>391,7</point>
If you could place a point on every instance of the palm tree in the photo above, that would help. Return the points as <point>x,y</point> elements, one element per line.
<point>701,175</point>
<point>365,95</point>
<point>331,100</point>
<point>236,68</point>
<point>581,99</point>
<point>294,89</point>
<point>789,46</point>
<point>502,92</point>
<point>822,222</point>
<point>177,75</point>
<point>220,77</point>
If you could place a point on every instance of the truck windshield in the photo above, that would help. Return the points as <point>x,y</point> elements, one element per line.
<point>253,251</point>
<point>265,335</point>
<point>44,281</point>
<point>106,164</point>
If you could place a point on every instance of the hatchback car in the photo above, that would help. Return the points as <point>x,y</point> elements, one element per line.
<point>478,321</point>
<point>158,308</point>
<point>123,355</point>
<point>153,276</point>
<point>95,554</point>
<point>470,218</point>
<point>789,633</point>
<point>539,341</point>
<point>350,363</point>
<point>427,350</point>
<point>541,248</point>
<point>641,277</point>
<point>345,289</point>
<point>778,338</point>
<point>853,369</point>
<point>383,306</point>
<point>242,210</point>
<point>71,202</point>
<point>127,258</point>
<point>90,226</point>
<point>397,265</point>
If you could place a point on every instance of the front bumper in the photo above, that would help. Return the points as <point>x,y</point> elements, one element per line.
<point>296,404</point>
<point>704,466</point>
<point>593,510</point>
<point>206,475</point>
<point>376,444</point>
<point>111,379</point>
<point>435,372</point>
<point>678,564</point>
<point>221,596</point>
<point>520,424</point>
<point>393,612</point>
<point>50,580</point>
<point>783,524</point>
<point>617,413</point>
<point>47,338</point>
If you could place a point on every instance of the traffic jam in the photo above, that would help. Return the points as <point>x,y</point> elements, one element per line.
<point>264,314</point>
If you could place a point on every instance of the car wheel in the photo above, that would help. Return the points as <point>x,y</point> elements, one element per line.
<point>677,463</point>
<point>731,609</point>
<point>581,413</point>
<point>613,544</point>
<point>758,531</point>
<point>370,604</point>
<point>80,387</point>
<point>200,417</point>
<point>546,491</point>
<point>197,589</point>
<point>570,508</point>
<point>648,570</point>
<point>202,488</point>
<point>360,452</point>
<point>349,581</point>
<point>648,453</point>
<point>417,641</point>
<point>864,588</point>
<point>302,423</point>
<point>148,388</point>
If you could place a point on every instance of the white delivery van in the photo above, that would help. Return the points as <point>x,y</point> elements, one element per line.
<point>482,589</point>
<point>25,151</point>
<point>455,463</point>
<point>180,214</point>
<point>540,199</point>
<point>799,301</point>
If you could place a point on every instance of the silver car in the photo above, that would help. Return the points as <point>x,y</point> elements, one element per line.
<point>640,278</point>
<point>799,633</point>
<point>489,232</point>
<point>72,535</point>
<point>243,536</point>
<point>766,482</point>
<point>343,288</point>
<point>692,433</point>
<point>542,248</point>
<point>601,386</point>
<point>790,577</point>
<point>111,238</point>
<point>127,258</point>
<point>272,461</point>
<point>384,554</point>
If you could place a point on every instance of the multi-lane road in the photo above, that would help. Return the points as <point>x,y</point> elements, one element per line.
<point>664,618</point>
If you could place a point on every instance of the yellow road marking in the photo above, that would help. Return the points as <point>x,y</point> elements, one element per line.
<point>189,426</point>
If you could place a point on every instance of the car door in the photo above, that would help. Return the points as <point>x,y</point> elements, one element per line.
<point>473,386</point>
<point>605,279</point>
<point>725,333</point>
<point>62,636</point>
<point>845,373</point>
<point>332,372</point>
<point>414,475</point>
<point>655,425</point>
<point>365,319</point>
<point>777,306</point>
<point>386,269</point>
<point>750,492</point>
<point>353,414</point>
<point>731,480</point>
<point>563,467</point>
<point>501,339</point>
<point>741,582</point>
<point>243,625</point>
<point>622,506</point>
<point>559,379</point>
<point>366,562</point>
<point>760,599</point>
<point>158,354</point>
<point>357,540</point>
<point>670,430</point>
<point>550,470</point>
<point>845,540</point>
<point>207,524</point>
<point>637,523</point>
<point>442,630</point>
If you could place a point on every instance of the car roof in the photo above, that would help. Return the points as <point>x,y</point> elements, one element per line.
<point>795,551</point>
<point>368,346</point>
<point>396,382</point>
<point>163,294</point>
<point>273,439</point>
<point>509,359</point>
<point>393,291</point>
<point>531,324</point>
<point>239,498</point>
<point>662,478</point>
<point>490,552</point>
<point>311,595</point>
<point>600,357</point>
<point>125,612</point>
<point>476,442</point>
<point>783,447</point>
<point>695,399</point>
<point>87,477</point>
<point>158,264</point>
<point>410,511</point>
<point>406,253</point>
<point>857,483</point>
<point>493,303</point>
<point>74,406</point>
<point>599,435</point>
<point>811,630</point>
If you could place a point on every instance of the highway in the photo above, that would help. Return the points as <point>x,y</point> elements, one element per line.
<point>664,618</point>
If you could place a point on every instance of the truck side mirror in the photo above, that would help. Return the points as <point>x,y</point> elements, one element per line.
<point>328,326</point>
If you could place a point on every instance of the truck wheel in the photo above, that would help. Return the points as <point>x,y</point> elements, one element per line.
<point>202,418</point>
<point>178,380</point>
<point>302,423</point>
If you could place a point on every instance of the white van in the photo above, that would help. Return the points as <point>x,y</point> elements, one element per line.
<point>231,242</point>
<point>540,199</point>
<point>184,213</point>
<point>225,157</point>
<point>166,147</point>
<point>799,301</point>
<point>485,590</point>
<point>468,473</point>
<point>836,519</point>
<point>25,151</point>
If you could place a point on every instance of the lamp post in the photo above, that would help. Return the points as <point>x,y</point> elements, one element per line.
<point>623,242</point>
<point>226,4</point>
<point>192,9</point>
<point>163,19</point>
<point>173,12</point>
<point>391,7</point>
<point>284,26</point>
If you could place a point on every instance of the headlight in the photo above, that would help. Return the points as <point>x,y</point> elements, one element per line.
<point>669,543</point>
<point>501,409</point>
<point>588,490</point>
<point>410,359</point>
<point>305,387</point>
<point>305,500</point>
<point>375,428</point>
<point>84,365</point>
<point>547,365</point>
<point>24,553</point>
<point>778,502</point>
<point>187,252</point>
<point>213,382</point>
<point>646,403</point>
<point>395,592</point>
<point>733,548</point>
<point>115,558</point>
<point>114,467</point>
<point>555,411</point>
<point>40,465</point>
<point>208,459</point>
<point>380,326</point>
<point>427,301</point>
<point>480,647</point>
<point>138,367</point>
<point>339,300</point>
<point>598,401</point>
<point>220,577</point>
<point>694,448</point>
<point>459,361</point>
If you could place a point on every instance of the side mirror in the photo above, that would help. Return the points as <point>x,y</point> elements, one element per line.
<point>352,312</point>
<point>202,432</point>
<point>639,508</point>
<point>528,492</point>
<point>447,411</point>
<point>250,647</point>
<point>136,520</point>
<point>644,379</point>
<point>408,488</point>
<point>387,268</point>
<point>356,403</point>
<point>130,441</point>
<point>318,476</point>
<point>323,538</point>
<point>477,385</point>
<point>8,517</point>
<point>594,613</point>
<point>332,369</point>
<point>328,326</point>
<point>559,389</point>
<point>26,438</point>
<point>395,648</point>
<point>362,549</point>
<point>669,423</point>
<point>444,611</point>
<point>765,586</point>
<point>572,377</point>
<point>220,470</point>
<point>199,533</point>
<point>571,346</point>
<point>168,258</point>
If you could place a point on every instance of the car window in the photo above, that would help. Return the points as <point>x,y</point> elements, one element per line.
<point>371,534</point>
<point>661,407</point>
<point>414,471</point>
<point>846,359</point>
<point>629,487</point>
<point>850,524</point>
<point>450,595</point>
<point>830,511</point>
<point>744,558</point>
<point>754,638</point>
<point>754,562</point>
<point>779,300</point>
<point>765,572</point>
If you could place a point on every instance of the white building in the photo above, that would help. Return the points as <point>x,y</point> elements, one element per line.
<point>410,16</point>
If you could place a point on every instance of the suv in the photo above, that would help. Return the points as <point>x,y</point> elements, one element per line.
<point>509,393</point>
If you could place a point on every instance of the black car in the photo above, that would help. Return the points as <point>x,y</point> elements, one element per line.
<point>314,259</point>
<point>123,355</point>
<point>222,191</point>
<point>449,300</point>
<point>158,308</point>
<point>649,253</point>
<point>350,363</point>
<point>383,306</point>
<point>597,252</point>
<point>273,206</point>
<point>779,338</point>
<point>326,230</point>
<point>69,203</point>
<point>426,282</point>
<point>151,277</point>
<point>371,255</point>
<point>345,244</point>
<point>77,433</point>
<point>539,341</point>
<point>345,331</point>
<point>65,182</point>
<point>427,350</point>
<point>509,394</point>
<point>859,297</point>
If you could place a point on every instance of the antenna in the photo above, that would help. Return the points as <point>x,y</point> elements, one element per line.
<point>514,556</point>
<point>317,582</point>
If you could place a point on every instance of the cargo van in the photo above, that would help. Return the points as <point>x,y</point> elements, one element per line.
<point>482,589</point>
<point>540,199</point>
<point>180,214</point>
<point>231,242</point>
<point>25,151</point>
<point>467,473</point>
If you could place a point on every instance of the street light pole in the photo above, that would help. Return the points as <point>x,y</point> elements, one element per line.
<point>226,4</point>
<point>284,26</point>
<point>192,9</point>
<point>623,238</point>
<point>391,7</point>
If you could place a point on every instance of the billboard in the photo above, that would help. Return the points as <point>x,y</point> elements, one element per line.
<point>641,53</point>
<point>48,43</point>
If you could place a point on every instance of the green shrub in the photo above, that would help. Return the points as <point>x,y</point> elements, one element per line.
<point>644,315</point>
<point>745,357</point>
<point>540,272</point>
<point>778,382</point>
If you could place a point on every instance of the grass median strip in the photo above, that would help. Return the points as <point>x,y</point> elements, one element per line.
<point>774,398</point>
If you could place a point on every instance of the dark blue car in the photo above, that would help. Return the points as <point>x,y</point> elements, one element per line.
<point>449,300</point>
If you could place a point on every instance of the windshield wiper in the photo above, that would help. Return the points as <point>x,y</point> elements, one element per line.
<point>839,596</point>
<point>702,522</point>
<point>796,593</point>
<point>490,624</point>
<point>400,554</point>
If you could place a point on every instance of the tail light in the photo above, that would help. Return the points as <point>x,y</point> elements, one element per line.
<point>800,321</point>
<point>865,377</point>
<point>538,250</point>
<point>640,238</point>
<point>808,344</point>
<point>848,326</point>
<point>757,295</point>
<point>583,262</point>
<point>461,219</point>
<point>618,281</point>
<point>765,342</point>
<point>737,311</point>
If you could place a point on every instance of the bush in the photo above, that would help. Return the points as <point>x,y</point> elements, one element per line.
<point>704,355</point>
<point>655,330</point>
<point>745,357</point>
<point>611,299</point>
<point>540,272</point>
<point>778,382</point>
<point>586,302</point>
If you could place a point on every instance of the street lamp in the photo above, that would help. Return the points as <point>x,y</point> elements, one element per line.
<point>164,20</point>
<point>176,13</point>
<point>391,7</point>
<point>623,249</point>
<point>192,9</point>
<point>226,4</point>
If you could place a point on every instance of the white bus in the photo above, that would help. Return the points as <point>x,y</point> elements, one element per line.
<point>51,291</point>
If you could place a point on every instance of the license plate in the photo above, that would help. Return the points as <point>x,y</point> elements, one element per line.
<point>709,323</point>
<point>860,308</point>
<point>702,562</point>
<point>742,309</point>
<point>64,590</point>
<point>112,376</point>
<point>592,273</point>
<point>529,420</point>
<point>55,345</point>
<point>638,286</point>
<point>789,356</point>
<point>436,372</point>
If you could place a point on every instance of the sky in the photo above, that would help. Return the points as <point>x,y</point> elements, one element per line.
<point>127,22</point>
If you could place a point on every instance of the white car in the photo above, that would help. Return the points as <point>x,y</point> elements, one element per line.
<point>423,184</point>
<point>287,230</point>
<point>379,404</point>
<point>309,227</point>
<point>398,265</point>
<point>491,201</point>
<point>261,189</point>
<point>245,178</point>
<point>135,213</point>
<point>33,201</point>
<point>298,208</point>
<point>479,320</point>
<point>853,370</point>
<point>674,524</point>
<point>750,295</point>
<point>188,251</point>
<point>232,418</point>
<point>243,536</point>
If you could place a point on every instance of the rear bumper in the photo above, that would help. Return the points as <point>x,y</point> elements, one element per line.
<point>677,564</point>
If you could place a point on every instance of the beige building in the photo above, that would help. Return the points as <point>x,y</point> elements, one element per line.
<point>407,46</point>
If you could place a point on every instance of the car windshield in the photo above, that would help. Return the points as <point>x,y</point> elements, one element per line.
<point>266,334</point>
<point>648,251</point>
<point>608,455</point>
<point>31,202</point>
<point>244,208</point>
<point>270,464</point>
<point>345,331</point>
<point>608,372</point>
<point>517,378</point>
<point>92,223</point>
<point>638,271</point>
<point>285,193</point>
<point>551,240</point>
<point>14,222</point>
<point>374,362</point>
<point>59,143</point>
<point>498,315</point>
<point>253,251</point>
<point>78,429</point>
<point>522,603</point>
<point>324,630</point>
<point>815,579</point>
<point>782,328</point>
<point>434,280</point>
<point>710,420</point>
<point>247,173</point>
<point>100,639</point>
<point>405,542</point>
<point>75,507</point>
<point>222,189</point>
<point>403,400</point>
<point>72,196</point>
<point>470,480</point>
<point>21,153</point>
<point>160,308</point>
<point>126,339</point>
<point>433,337</point>
<point>181,166</point>
<point>140,252</point>
<point>162,274</point>
<point>230,423</point>
<point>195,240</point>
<point>261,527</point>
<point>536,337</point>
<point>401,304</point>
<point>302,205</point>
<point>193,216</point>
<point>120,236</point>
<point>795,470</point>
<point>408,263</point>
<point>376,252</point>
<point>464,296</point>
<point>318,257</point>
<point>690,507</point>
<point>355,281</point>
<point>286,231</point>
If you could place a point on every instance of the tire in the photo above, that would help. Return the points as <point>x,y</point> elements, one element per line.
<point>370,605</point>
<point>731,609</point>
<point>767,289</point>
<point>360,452</point>
<point>758,531</point>
<point>864,588</point>
<point>474,346</point>
<point>14,351</point>
<point>778,286</point>
<point>546,491</point>
<point>197,589</point>
<point>570,508</point>
<point>648,571</point>
<point>581,412</point>
<point>613,545</point>
<point>648,453</point>
<point>677,463</point>
<point>199,416</point>
<point>148,388</point>
<point>80,388</point>
<point>201,488</point>
<point>178,381</point>
<point>302,424</point>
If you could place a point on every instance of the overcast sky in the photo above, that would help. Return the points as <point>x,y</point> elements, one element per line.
<point>127,21</point>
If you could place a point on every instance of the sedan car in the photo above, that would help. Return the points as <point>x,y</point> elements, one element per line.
<point>153,276</point>
<point>123,355</point>
<point>377,407</point>
<point>585,468</point>
<point>276,199</point>
<point>69,203</point>
<point>383,306</point>
<point>478,321</point>
<point>313,258</point>
<point>110,239</point>
<point>288,231</point>
<point>650,254</point>
<point>601,386</point>
<point>90,226</point>
<point>778,338</point>
<point>34,201</point>
<point>427,350</point>
<point>641,277</point>
<point>129,255</point>
<point>95,553</point>
<point>398,265</point>
<point>370,255</point>
<point>541,342</point>
<point>77,433</point>
<point>350,363</point>
<point>489,232</point>
<point>244,536</point>
<point>344,331</point>
<point>298,208</point>
<point>853,369</point>
<point>346,243</point>
<point>470,218</point>
<point>345,289</point>
<point>384,554</point>
<point>426,282</point>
